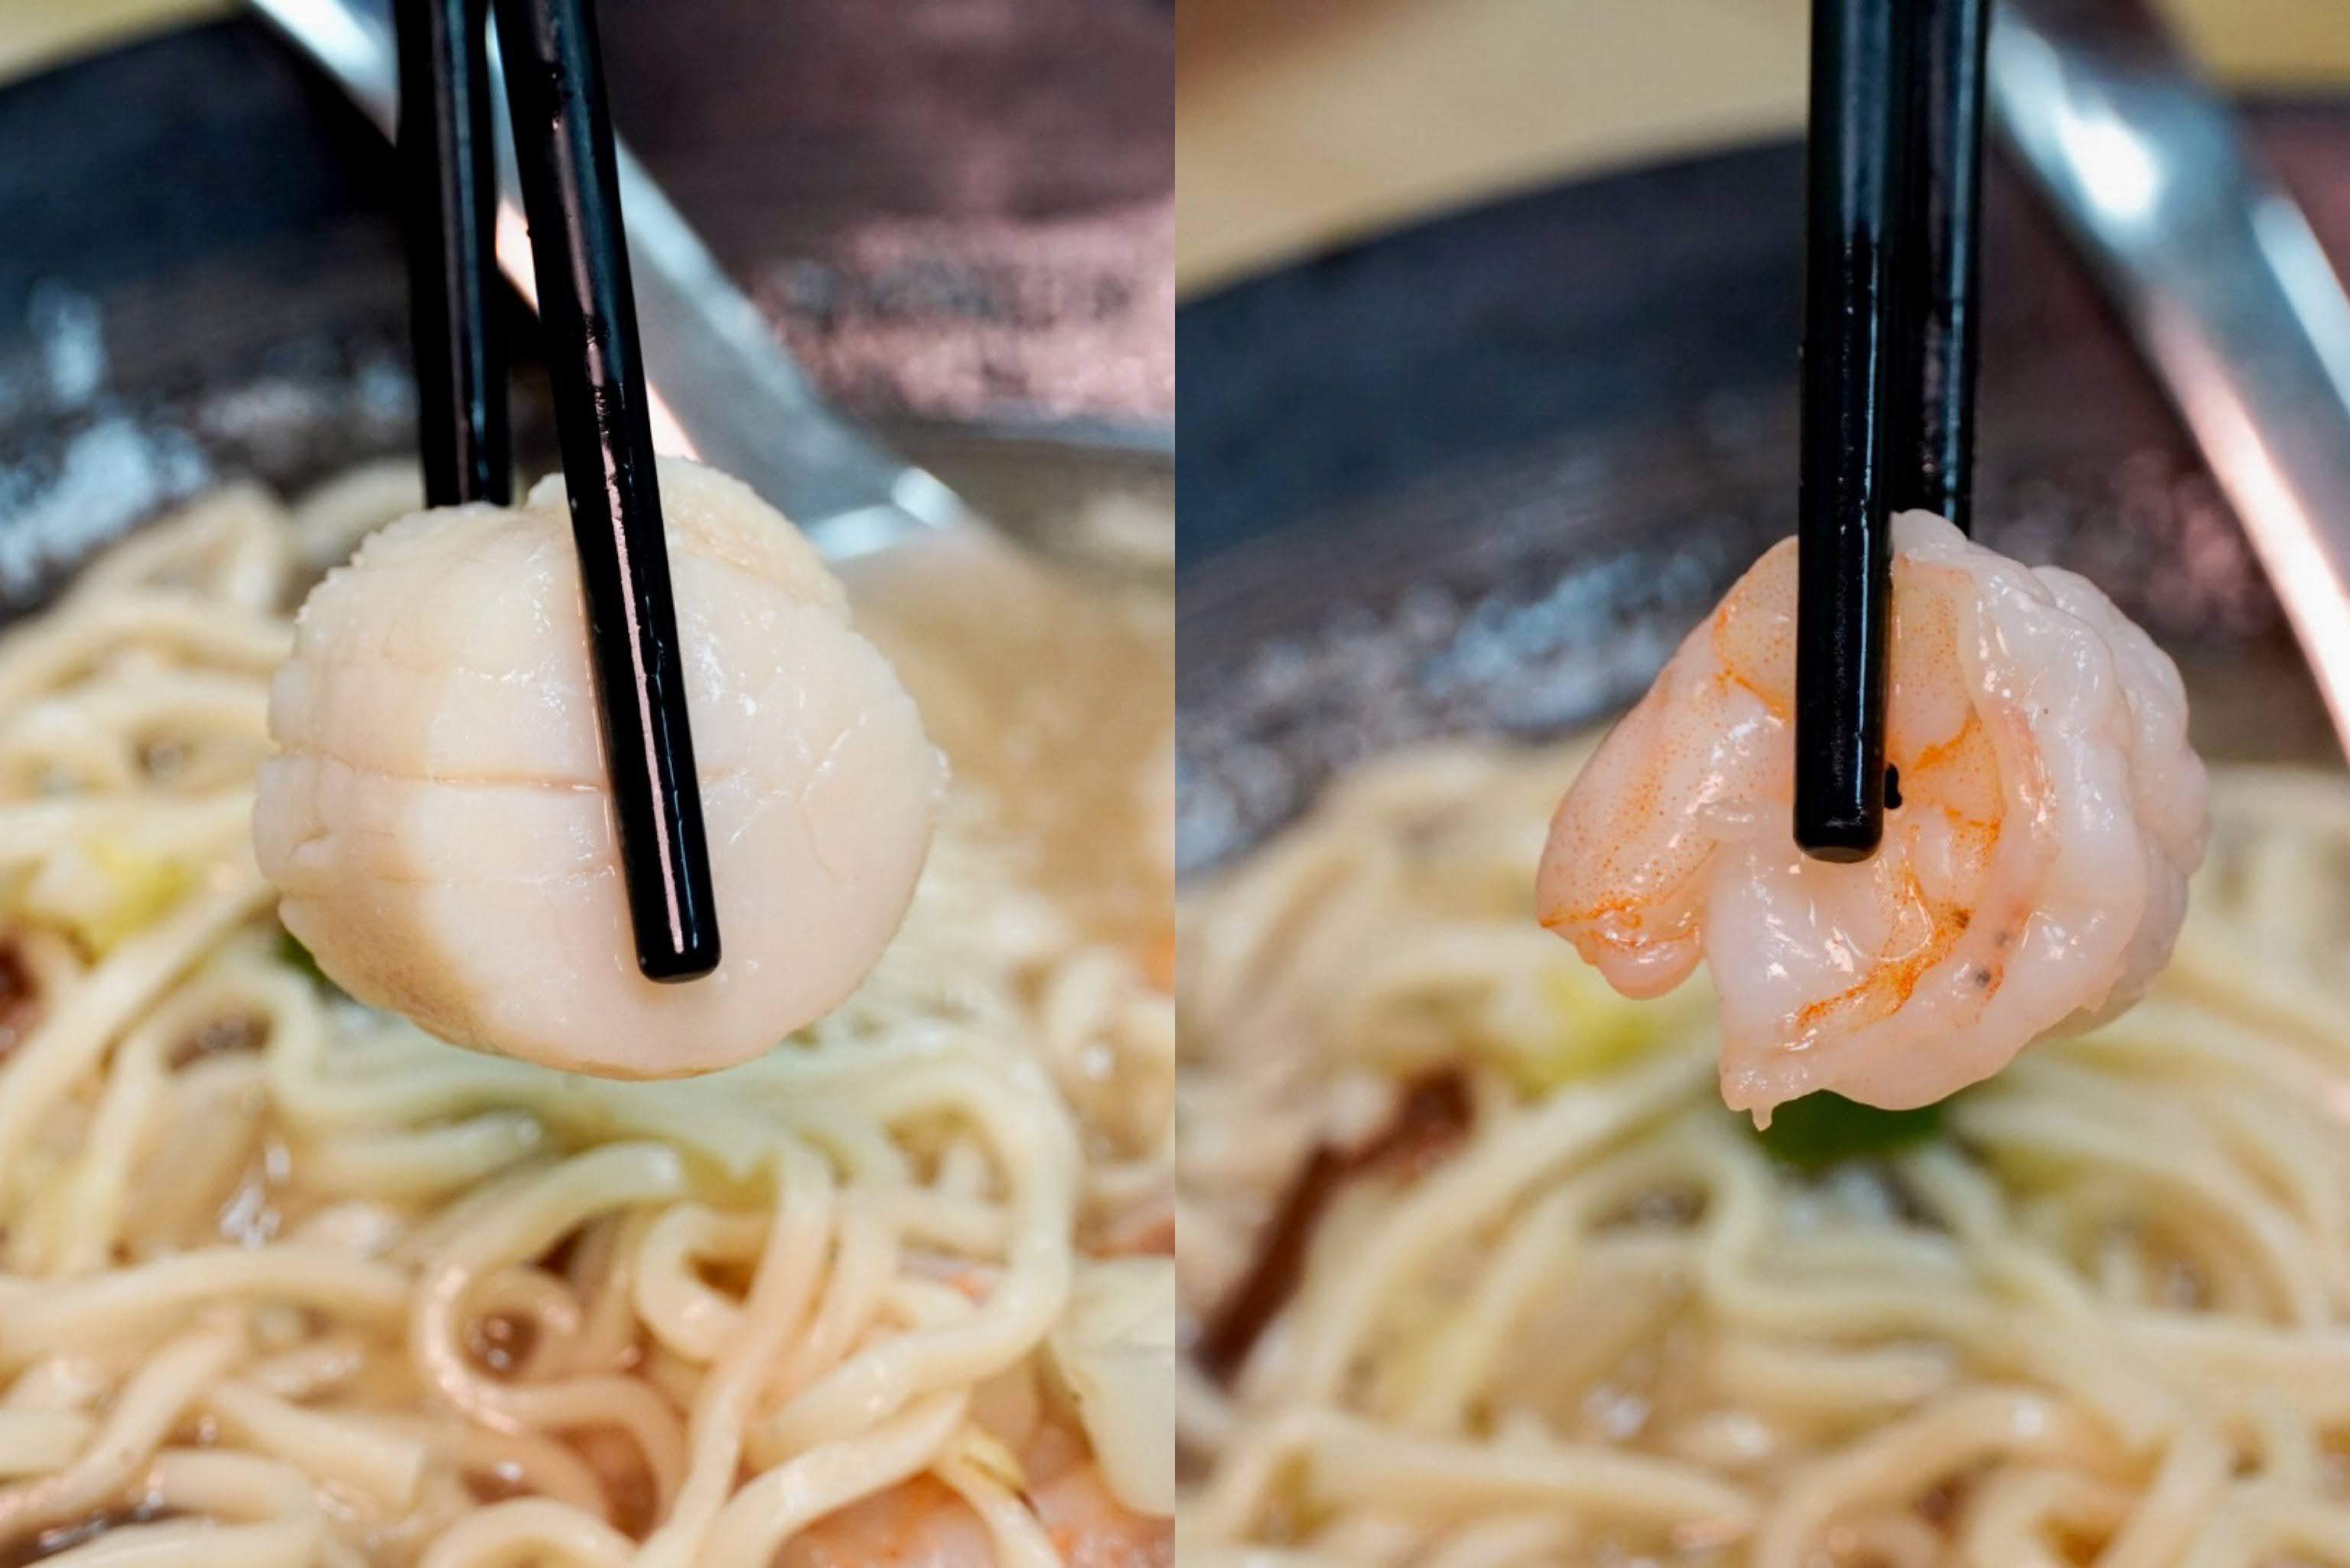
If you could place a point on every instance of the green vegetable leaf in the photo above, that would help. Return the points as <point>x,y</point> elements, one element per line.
<point>1824,1129</point>
<point>294,956</point>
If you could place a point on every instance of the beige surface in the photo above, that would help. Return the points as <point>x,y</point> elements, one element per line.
<point>1301,122</point>
<point>37,33</point>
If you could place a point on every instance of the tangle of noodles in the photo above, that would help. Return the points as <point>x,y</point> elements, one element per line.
<point>283,1282</point>
<point>2102,1316</point>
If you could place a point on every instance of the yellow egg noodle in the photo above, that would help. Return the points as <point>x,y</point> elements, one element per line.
<point>283,1282</point>
<point>2101,1315</point>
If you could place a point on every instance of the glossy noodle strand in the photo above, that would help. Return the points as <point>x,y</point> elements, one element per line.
<point>288,1282</point>
<point>2098,1312</point>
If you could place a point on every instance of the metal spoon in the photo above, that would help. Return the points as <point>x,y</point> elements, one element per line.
<point>2232,301</point>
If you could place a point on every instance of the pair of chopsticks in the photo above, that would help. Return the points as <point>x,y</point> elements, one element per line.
<point>1894,172</point>
<point>563,144</point>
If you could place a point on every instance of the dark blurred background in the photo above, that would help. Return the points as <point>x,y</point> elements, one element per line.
<point>958,210</point>
<point>954,207</point>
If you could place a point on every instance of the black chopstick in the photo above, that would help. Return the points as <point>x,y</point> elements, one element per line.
<point>1893,206</point>
<point>1931,462</point>
<point>1844,585</point>
<point>563,143</point>
<point>449,190</point>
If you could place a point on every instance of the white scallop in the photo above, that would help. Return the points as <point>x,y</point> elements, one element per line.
<point>438,826</point>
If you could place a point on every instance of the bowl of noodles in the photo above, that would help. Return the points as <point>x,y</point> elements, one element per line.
<point>1476,1268</point>
<point>288,1282</point>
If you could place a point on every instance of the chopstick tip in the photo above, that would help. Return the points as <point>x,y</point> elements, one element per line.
<point>691,958</point>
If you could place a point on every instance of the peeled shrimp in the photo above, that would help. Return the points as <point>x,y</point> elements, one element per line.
<point>438,826</point>
<point>2032,878</point>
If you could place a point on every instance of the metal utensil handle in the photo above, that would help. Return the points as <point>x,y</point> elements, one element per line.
<point>720,387</point>
<point>2230,297</point>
